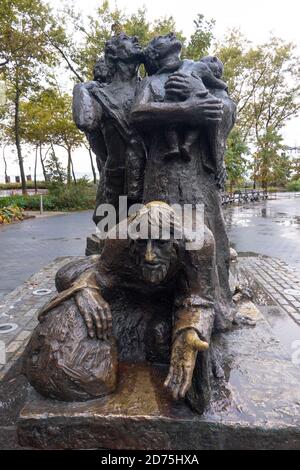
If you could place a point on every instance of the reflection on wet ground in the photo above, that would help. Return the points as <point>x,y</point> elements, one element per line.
<point>26,247</point>
<point>270,227</point>
<point>284,327</point>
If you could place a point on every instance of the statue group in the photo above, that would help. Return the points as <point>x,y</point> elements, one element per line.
<point>160,141</point>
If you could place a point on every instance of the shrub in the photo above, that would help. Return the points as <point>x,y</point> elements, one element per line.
<point>293,185</point>
<point>61,197</point>
<point>30,185</point>
<point>74,196</point>
<point>10,213</point>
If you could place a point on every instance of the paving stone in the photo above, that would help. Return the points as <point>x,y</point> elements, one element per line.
<point>13,346</point>
<point>23,335</point>
<point>275,277</point>
<point>21,307</point>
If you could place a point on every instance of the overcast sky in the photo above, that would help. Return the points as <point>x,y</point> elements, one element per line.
<point>256,19</point>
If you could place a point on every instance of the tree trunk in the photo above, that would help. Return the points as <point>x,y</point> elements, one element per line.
<point>56,164</point>
<point>93,167</point>
<point>43,166</point>
<point>35,167</point>
<point>69,177</point>
<point>18,140</point>
<point>5,164</point>
<point>73,172</point>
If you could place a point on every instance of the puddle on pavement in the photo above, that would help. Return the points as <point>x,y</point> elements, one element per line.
<point>285,329</point>
<point>247,215</point>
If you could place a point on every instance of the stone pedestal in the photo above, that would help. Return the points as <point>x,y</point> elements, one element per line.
<point>256,406</point>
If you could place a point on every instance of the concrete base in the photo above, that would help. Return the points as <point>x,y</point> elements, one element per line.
<point>256,406</point>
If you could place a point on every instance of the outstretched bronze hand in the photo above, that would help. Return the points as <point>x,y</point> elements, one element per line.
<point>95,312</point>
<point>183,358</point>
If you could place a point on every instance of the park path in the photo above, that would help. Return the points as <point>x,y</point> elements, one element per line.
<point>28,246</point>
<point>269,228</point>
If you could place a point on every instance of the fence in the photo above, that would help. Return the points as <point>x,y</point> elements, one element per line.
<point>245,197</point>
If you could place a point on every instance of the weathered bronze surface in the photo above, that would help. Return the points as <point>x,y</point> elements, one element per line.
<point>159,141</point>
<point>246,412</point>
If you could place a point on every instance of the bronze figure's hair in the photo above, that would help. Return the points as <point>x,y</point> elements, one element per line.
<point>159,215</point>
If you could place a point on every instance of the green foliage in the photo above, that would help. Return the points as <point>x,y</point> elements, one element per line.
<point>295,167</point>
<point>27,202</point>
<point>54,169</point>
<point>264,81</point>
<point>30,185</point>
<point>293,185</point>
<point>269,165</point>
<point>61,197</point>
<point>236,162</point>
<point>108,20</point>
<point>26,54</point>
<point>75,196</point>
<point>47,118</point>
<point>281,169</point>
<point>201,39</point>
<point>10,214</point>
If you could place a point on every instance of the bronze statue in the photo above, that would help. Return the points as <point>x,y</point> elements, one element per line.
<point>103,112</point>
<point>160,141</point>
<point>146,269</point>
<point>192,180</point>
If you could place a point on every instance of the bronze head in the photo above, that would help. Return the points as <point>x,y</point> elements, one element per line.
<point>155,246</point>
<point>215,65</point>
<point>102,71</point>
<point>159,49</point>
<point>124,48</point>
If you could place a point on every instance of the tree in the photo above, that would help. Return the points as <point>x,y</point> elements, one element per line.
<point>47,121</point>
<point>88,147</point>
<point>272,165</point>
<point>264,82</point>
<point>295,168</point>
<point>282,169</point>
<point>95,30</point>
<point>63,130</point>
<point>235,158</point>
<point>201,39</point>
<point>55,171</point>
<point>26,52</point>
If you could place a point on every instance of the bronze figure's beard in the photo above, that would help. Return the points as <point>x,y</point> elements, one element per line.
<point>154,275</point>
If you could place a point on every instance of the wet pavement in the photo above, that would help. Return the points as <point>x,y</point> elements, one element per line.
<point>28,246</point>
<point>270,228</point>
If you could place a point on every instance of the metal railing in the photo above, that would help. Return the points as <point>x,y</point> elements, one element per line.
<point>245,197</point>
